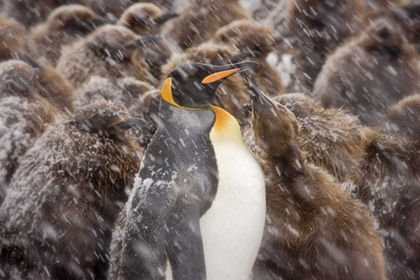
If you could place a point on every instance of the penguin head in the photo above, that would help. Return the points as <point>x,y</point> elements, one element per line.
<point>249,37</point>
<point>106,118</point>
<point>408,16</point>
<point>117,42</point>
<point>144,18</point>
<point>75,19</point>
<point>16,78</point>
<point>194,85</point>
<point>275,127</point>
<point>12,38</point>
<point>384,39</point>
<point>404,116</point>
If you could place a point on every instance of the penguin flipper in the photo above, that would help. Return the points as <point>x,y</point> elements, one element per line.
<point>184,246</point>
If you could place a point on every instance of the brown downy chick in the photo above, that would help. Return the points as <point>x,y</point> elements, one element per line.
<point>200,19</point>
<point>51,84</point>
<point>328,138</point>
<point>148,19</point>
<point>387,179</point>
<point>254,40</point>
<point>145,18</point>
<point>12,38</point>
<point>14,44</point>
<point>317,28</point>
<point>232,93</point>
<point>56,221</point>
<point>24,115</point>
<point>314,229</point>
<point>117,7</point>
<point>31,12</point>
<point>132,94</point>
<point>404,116</point>
<point>63,26</point>
<point>370,73</point>
<point>375,5</point>
<point>109,52</point>
<point>56,89</point>
<point>406,15</point>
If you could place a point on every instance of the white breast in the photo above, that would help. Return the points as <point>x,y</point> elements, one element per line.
<point>232,228</point>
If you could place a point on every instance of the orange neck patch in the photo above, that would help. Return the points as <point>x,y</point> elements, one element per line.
<point>225,126</point>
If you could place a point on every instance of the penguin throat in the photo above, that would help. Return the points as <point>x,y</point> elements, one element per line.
<point>225,127</point>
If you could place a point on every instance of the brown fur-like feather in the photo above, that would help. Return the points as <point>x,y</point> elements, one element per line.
<point>318,27</point>
<point>103,53</point>
<point>200,19</point>
<point>314,229</point>
<point>258,39</point>
<point>134,95</point>
<point>140,18</point>
<point>66,196</point>
<point>31,12</point>
<point>370,73</point>
<point>24,116</point>
<point>62,27</point>
<point>328,138</point>
<point>387,179</point>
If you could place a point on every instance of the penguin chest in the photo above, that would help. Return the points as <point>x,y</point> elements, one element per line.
<point>233,226</point>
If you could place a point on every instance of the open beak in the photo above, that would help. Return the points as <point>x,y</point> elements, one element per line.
<point>130,123</point>
<point>225,71</point>
<point>143,41</point>
<point>164,18</point>
<point>258,97</point>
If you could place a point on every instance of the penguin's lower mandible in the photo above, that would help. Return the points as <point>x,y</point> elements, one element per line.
<point>199,198</point>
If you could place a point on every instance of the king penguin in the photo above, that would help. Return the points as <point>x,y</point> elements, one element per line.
<point>199,198</point>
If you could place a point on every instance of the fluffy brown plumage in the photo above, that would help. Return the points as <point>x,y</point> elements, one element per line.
<point>317,28</point>
<point>314,229</point>
<point>31,12</point>
<point>147,19</point>
<point>200,19</point>
<point>134,95</point>
<point>24,115</point>
<point>63,26</point>
<point>108,52</point>
<point>387,179</point>
<point>142,18</point>
<point>370,73</point>
<point>117,7</point>
<point>405,14</point>
<point>374,5</point>
<point>328,138</point>
<point>232,94</point>
<point>256,41</point>
<point>55,88</point>
<point>66,195</point>
<point>12,38</point>
<point>404,116</point>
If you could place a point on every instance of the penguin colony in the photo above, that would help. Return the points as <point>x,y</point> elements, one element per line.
<point>209,139</point>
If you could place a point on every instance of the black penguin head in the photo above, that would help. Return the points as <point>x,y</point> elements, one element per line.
<point>193,85</point>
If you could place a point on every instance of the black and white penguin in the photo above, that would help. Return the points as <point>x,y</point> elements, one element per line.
<point>199,199</point>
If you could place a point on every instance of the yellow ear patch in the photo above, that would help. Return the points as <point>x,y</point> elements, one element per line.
<point>218,75</point>
<point>166,92</point>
